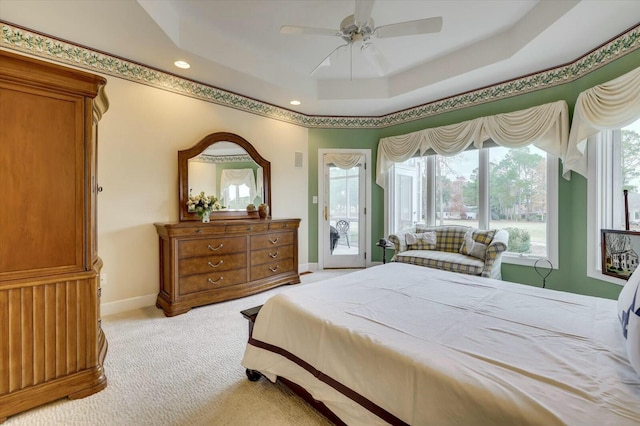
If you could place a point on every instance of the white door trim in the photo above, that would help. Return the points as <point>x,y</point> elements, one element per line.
<point>321,201</point>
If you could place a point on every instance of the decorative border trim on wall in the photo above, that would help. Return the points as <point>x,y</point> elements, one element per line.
<point>46,47</point>
<point>206,158</point>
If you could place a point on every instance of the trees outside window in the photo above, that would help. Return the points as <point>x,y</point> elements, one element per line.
<point>512,193</point>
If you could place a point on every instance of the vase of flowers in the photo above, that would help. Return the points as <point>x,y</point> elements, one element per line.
<point>203,205</point>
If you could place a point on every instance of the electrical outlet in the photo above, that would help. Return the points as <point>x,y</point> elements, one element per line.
<point>103,279</point>
<point>315,199</point>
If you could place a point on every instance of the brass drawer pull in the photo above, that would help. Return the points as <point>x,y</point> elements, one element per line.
<point>273,255</point>
<point>273,269</point>
<point>249,228</point>
<point>198,231</point>
<point>274,242</point>
<point>216,265</point>
<point>216,281</point>
<point>214,248</point>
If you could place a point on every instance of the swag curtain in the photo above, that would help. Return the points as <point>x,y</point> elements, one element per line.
<point>344,161</point>
<point>545,126</point>
<point>237,177</point>
<point>608,106</point>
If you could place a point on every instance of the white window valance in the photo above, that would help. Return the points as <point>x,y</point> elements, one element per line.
<point>545,126</point>
<point>237,177</point>
<point>607,106</point>
<point>344,161</point>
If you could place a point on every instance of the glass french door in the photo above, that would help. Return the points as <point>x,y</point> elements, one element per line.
<point>344,231</point>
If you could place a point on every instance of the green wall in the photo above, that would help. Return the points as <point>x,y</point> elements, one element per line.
<point>571,274</point>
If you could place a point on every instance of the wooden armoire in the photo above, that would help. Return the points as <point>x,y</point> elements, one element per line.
<point>51,341</point>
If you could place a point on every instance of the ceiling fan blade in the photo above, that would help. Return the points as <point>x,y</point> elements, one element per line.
<point>327,60</point>
<point>375,58</point>
<point>363,12</point>
<point>420,26</point>
<point>290,29</point>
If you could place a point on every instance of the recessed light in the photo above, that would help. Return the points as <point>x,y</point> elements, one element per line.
<point>182,64</point>
<point>296,103</point>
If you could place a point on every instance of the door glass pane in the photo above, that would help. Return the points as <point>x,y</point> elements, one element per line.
<point>344,191</point>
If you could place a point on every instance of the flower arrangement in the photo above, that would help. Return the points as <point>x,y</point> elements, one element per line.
<point>203,204</point>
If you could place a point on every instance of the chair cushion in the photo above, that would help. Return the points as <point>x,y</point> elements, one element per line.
<point>421,241</point>
<point>454,262</point>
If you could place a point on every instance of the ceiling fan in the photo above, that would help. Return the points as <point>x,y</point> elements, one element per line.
<point>359,27</point>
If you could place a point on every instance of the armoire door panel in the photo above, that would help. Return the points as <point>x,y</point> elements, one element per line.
<point>41,215</point>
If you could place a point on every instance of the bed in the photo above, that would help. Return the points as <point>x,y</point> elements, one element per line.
<point>403,344</point>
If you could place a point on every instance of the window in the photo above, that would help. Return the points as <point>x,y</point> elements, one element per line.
<point>238,196</point>
<point>497,187</point>
<point>238,188</point>
<point>614,165</point>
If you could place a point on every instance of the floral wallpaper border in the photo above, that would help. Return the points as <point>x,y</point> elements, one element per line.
<point>23,40</point>
<point>207,158</point>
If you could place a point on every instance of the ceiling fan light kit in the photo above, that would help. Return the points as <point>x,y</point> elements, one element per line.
<point>360,28</point>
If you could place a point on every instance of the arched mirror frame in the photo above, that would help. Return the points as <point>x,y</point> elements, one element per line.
<point>200,147</point>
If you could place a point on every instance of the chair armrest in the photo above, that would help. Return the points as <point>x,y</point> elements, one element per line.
<point>493,257</point>
<point>500,240</point>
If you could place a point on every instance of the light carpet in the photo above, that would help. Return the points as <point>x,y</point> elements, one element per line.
<point>183,370</point>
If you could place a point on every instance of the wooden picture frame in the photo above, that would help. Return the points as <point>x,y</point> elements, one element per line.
<point>620,252</point>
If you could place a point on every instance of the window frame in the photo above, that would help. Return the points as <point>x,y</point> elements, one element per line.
<point>603,203</point>
<point>484,206</point>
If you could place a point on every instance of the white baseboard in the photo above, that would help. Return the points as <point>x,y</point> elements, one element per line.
<point>150,299</point>
<point>128,304</point>
<point>306,267</point>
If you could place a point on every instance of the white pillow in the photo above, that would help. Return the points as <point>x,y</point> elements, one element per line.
<point>633,339</point>
<point>471,247</point>
<point>421,241</point>
<point>627,299</point>
<point>629,316</point>
<point>478,250</point>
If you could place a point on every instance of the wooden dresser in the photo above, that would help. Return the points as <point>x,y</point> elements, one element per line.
<point>202,263</point>
<point>51,342</point>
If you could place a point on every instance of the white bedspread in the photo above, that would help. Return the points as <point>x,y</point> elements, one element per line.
<point>437,348</point>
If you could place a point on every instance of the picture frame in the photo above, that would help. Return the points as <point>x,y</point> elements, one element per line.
<point>620,252</point>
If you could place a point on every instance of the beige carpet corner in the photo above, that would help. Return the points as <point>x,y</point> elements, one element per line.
<point>183,370</point>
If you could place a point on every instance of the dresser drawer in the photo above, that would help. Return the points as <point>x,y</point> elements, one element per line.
<point>211,246</point>
<point>212,281</point>
<point>270,240</point>
<point>259,257</point>
<point>271,269</point>
<point>246,227</point>
<point>282,225</point>
<point>214,263</point>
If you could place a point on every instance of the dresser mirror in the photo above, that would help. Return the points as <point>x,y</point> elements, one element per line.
<point>229,167</point>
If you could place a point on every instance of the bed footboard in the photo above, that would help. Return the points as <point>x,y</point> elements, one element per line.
<point>253,375</point>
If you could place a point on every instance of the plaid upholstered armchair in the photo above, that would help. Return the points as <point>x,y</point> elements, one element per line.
<point>451,247</point>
